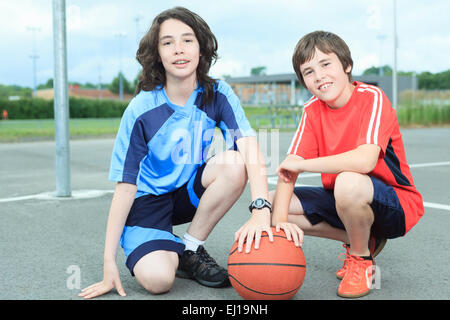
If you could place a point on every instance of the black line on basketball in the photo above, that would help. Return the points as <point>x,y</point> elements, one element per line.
<point>266,264</point>
<point>265,293</point>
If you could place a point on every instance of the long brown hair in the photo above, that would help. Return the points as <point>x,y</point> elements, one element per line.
<point>153,73</point>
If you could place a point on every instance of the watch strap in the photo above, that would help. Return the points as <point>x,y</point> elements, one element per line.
<point>265,204</point>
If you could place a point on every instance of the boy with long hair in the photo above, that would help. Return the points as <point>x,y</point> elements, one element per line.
<point>160,166</point>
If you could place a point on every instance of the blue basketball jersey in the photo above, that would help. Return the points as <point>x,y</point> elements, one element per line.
<point>160,145</point>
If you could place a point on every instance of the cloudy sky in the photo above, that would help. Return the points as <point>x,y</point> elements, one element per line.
<point>250,33</point>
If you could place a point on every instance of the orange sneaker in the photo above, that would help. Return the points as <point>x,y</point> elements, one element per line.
<point>341,272</point>
<point>375,247</point>
<point>358,278</point>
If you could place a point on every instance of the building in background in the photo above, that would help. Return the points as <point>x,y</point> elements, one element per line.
<point>285,89</point>
<point>78,92</point>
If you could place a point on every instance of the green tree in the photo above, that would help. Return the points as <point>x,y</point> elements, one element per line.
<point>89,85</point>
<point>426,79</point>
<point>114,86</point>
<point>387,70</point>
<point>14,90</point>
<point>47,85</point>
<point>258,71</point>
<point>436,81</point>
<point>136,81</point>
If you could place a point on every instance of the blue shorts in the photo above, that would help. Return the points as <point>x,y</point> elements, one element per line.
<point>319,205</point>
<point>149,224</point>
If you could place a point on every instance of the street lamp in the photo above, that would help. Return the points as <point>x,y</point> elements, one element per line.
<point>137,19</point>
<point>394,71</point>
<point>61,101</point>
<point>120,36</point>
<point>34,57</point>
<point>381,37</point>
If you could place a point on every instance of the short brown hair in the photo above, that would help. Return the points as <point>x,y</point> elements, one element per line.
<point>326,42</point>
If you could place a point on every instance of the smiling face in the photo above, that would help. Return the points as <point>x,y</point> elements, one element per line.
<point>179,50</point>
<point>326,78</point>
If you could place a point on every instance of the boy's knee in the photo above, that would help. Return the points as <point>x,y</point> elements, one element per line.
<point>351,189</point>
<point>157,282</point>
<point>235,171</point>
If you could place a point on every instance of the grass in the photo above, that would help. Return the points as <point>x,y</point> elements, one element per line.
<point>424,108</point>
<point>259,117</point>
<point>44,129</point>
<point>282,117</point>
<point>423,114</point>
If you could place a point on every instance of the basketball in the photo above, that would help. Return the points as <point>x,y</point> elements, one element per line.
<point>275,271</point>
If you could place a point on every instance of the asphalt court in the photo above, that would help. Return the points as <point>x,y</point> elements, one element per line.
<point>50,247</point>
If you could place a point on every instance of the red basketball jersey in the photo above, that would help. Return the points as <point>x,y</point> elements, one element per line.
<point>367,118</point>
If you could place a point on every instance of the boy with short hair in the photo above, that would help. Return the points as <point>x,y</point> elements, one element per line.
<point>350,134</point>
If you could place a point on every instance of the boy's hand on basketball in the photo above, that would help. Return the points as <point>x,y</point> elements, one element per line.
<point>253,229</point>
<point>292,231</point>
<point>111,279</point>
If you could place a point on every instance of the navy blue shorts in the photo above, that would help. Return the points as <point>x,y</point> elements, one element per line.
<point>149,224</point>
<point>319,205</point>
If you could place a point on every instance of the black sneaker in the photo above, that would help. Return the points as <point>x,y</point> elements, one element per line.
<point>202,268</point>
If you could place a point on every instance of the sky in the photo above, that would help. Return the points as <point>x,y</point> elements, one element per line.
<point>103,35</point>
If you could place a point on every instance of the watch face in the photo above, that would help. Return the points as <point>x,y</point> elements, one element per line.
<point>259,203</point>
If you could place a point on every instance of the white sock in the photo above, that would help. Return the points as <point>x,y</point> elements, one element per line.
<point>191,242</point>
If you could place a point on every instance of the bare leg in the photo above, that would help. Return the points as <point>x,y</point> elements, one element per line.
<point>321,229</point>
<point>156,271</point>
<point>354,194</point>
<point>224,178</point>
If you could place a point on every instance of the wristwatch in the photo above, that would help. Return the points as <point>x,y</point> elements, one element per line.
<point>260,203</point>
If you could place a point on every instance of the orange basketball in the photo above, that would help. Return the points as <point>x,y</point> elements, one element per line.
<point>275,271</point>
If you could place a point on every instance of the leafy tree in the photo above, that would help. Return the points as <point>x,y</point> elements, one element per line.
<point>114,87</point>
<point>258,71</point>
<point>89,85</point>
<point>136,81</point>
<point>47,85</point>
<point>426,79</point>
<point>14,90</point>
<point>387,70</point>
<point>437,81</point>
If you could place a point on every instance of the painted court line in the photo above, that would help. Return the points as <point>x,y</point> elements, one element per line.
<point>417,165</point>
<point>77,194</point>
<point>436,206</point>
<point>272,180</point>
<point>430,164</point>
<point>89,194</point>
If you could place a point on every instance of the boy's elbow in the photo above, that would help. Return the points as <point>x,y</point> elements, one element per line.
<point>368,165</point>
<point>367,169</point>
<point>126,188</point>
<point>368,158</point>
